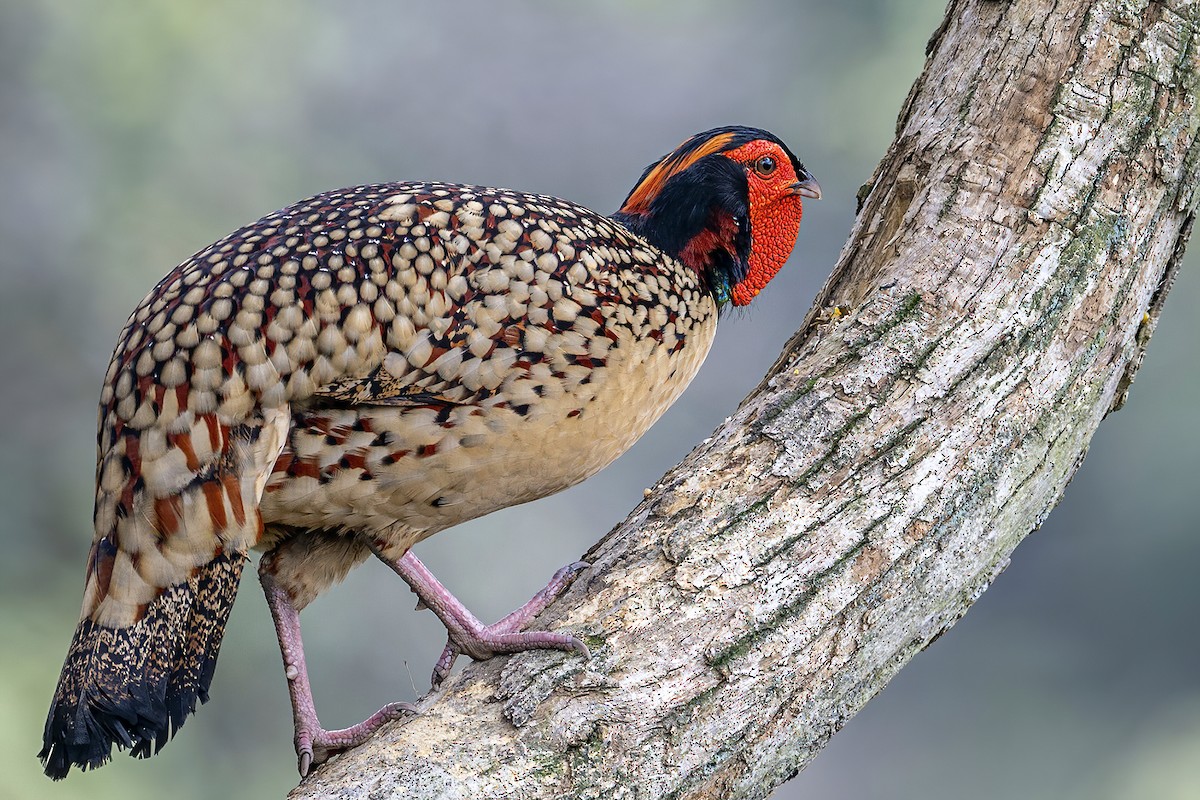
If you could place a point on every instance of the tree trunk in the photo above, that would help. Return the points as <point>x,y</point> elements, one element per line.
<point>1004,275</point>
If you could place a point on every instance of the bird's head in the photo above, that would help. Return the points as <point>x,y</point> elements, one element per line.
<point>727,203</point>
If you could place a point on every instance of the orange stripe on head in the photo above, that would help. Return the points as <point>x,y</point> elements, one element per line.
<point>683,157</point>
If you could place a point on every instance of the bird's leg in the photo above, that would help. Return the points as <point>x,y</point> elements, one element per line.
<point>468,635</point>
<point>314,744</point>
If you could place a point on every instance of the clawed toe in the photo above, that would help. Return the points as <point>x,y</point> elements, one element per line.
<point>495,640</point>
<point>315,745</point>
<point>467,635</point>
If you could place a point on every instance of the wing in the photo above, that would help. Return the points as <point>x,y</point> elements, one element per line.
<point>171,498</point>
<point>393,294</point>
<point>492,289</point>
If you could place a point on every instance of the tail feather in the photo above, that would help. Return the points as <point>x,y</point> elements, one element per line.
<point>134,686</point>
<point>196,661</point>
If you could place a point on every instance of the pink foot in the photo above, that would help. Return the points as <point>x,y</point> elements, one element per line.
<point>314,744</point>
<point>467,635</point>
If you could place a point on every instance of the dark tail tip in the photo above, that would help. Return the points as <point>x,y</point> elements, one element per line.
<point>134,687</point>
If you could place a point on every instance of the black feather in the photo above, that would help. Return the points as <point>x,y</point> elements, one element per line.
<point>134,687</point>
<point>707,196</point>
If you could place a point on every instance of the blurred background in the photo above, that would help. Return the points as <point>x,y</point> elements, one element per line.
<point>133,133</point>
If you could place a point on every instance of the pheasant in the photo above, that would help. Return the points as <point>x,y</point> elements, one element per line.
<point>358,371</point>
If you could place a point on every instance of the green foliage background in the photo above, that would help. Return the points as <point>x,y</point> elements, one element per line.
<point>134,132</point>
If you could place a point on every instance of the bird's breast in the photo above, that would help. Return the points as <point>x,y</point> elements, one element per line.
<point>417,469</point>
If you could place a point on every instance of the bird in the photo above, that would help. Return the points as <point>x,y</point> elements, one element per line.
<point>372,365</point>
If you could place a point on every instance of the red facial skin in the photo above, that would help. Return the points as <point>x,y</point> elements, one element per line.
<point>774,195</point>
<point>775,211</point>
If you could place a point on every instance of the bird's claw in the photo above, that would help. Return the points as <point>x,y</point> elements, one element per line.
<point>482,642</point>
<point>314,744</point>
<point>492,641</point>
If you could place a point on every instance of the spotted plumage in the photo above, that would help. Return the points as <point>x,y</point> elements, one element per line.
<point>370,366</point>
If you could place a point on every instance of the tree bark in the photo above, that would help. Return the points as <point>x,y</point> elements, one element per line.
<point>1001,282</point>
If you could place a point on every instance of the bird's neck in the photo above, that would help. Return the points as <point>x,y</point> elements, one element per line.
<point>715,245</point>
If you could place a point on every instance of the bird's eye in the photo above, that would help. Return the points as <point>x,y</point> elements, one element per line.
<point>764,166</point>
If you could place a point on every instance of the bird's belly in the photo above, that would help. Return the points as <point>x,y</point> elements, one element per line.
<point>410,472</point>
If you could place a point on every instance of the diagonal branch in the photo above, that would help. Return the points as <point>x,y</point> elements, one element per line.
<point>1003,277</point>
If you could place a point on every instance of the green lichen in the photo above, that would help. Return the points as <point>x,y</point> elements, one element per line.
<point>546,766</point>
<point>594,641</point>
<point>835,439</point>
<point>964,108</point>
<point>1101,234</point>
<point>779,403</point>
<point>861,196</point>
<point>895,438</point>
<point>723,659</point>
<point>908,307</point>
<point>683,714</point>
<point>586,764</point>
<point>755,508</point>
<point>904,311</point>
<point>952,194</point>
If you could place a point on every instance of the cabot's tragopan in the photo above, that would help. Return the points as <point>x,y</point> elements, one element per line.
<point>365,368</point>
